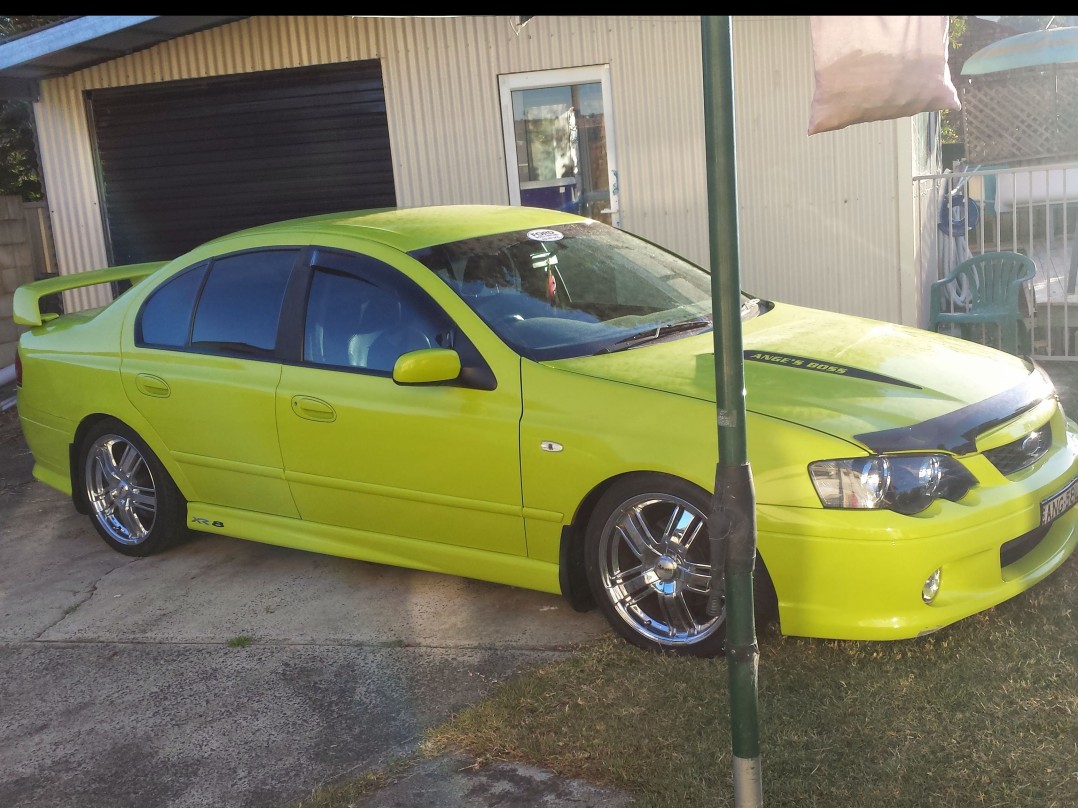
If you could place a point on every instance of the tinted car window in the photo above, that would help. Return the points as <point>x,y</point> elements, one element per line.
<point>241,303</point>
<point>360,314</point>
<point>165,319</point>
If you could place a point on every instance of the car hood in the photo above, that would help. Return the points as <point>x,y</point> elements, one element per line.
<point>885,386</point>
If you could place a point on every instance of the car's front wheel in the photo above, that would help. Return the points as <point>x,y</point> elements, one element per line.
<point>648,560</point>
<point>133,502</point>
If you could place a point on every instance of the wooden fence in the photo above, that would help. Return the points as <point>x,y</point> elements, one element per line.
<point>26,254</point>
<point>1021,117</point>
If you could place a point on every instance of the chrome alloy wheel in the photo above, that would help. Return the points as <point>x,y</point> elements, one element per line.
<point>120,489</point>
<point>654,563</point>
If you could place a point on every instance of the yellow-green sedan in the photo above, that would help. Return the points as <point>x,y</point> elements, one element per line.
<point>528,397</point>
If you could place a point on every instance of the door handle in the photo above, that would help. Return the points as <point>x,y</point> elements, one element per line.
<point>313,409</point>
<point>152,385</point>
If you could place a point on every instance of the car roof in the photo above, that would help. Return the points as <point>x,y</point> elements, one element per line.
<point>408,229</point>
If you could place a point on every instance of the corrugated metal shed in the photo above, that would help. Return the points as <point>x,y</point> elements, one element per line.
<point>823,218</point>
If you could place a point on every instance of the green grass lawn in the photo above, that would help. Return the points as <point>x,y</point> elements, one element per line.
<point>982,713</point>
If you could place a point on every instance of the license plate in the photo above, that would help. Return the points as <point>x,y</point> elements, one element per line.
<point>1059,503</point>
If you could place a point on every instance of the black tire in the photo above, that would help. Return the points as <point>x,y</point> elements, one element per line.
<point>648,562</point>
<point>133,503</point>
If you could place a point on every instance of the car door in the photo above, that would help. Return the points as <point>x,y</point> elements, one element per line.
<point>203,373</point>
<point>433,462</point>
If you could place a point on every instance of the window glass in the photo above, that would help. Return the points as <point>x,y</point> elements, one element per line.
<point>241,303</point>
<point>574,289</point>
<point>561,154</point>
<point>558,137</point>
<point>361,316</point>
<point>166,315</point>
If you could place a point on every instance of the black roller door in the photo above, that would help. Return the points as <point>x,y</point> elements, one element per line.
<point>182,162</point>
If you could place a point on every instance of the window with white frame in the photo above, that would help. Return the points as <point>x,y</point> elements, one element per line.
<point>559,145</point>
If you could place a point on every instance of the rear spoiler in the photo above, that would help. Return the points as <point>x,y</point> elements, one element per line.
<point>27,303</point>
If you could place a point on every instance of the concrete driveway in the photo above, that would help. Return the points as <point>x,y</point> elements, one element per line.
<point>118,686</point>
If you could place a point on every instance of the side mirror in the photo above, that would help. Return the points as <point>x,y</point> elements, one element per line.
<point>426,366</point>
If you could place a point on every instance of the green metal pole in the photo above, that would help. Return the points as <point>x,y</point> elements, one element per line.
<point>732,522</point>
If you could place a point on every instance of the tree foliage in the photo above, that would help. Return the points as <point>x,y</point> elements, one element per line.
<point>955,29</point>
<point>949,117</point>
<point>19,173</point>
<point>12,25</point>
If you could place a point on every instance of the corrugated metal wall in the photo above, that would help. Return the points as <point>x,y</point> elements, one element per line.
<point>441,80</point>
<point>818,214</point>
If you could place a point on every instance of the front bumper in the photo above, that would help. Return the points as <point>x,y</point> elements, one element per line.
<point>858,575</point>
<point>858,593</point>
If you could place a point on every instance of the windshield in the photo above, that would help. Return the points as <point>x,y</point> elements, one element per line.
<point>576,289</point>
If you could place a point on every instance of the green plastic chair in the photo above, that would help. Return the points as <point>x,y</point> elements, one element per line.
<point>985,291</point>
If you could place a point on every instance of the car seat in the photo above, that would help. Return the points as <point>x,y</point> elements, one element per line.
<point>381,314</point>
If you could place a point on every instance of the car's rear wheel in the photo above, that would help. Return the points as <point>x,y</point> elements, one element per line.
<point>133,502</point>
<point>648,561</point>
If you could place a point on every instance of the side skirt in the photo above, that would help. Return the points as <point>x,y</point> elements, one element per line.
<point>484,565</point>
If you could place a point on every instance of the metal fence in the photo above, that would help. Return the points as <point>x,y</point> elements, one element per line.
<point>1032,210</point>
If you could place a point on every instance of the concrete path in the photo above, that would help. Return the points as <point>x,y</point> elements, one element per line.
<point>118,686</point>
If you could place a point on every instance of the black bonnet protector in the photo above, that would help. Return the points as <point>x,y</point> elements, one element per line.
<point>957,431</point>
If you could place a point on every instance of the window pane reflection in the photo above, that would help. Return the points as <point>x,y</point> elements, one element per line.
<point>561,149</point>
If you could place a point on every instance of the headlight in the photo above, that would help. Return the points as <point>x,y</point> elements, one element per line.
<point>903,483</point>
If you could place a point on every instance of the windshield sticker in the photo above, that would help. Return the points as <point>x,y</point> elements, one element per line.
<point>807,363</point>
<point>545,235</point>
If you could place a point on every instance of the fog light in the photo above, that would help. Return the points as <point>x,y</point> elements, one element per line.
<point>931,587</point>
